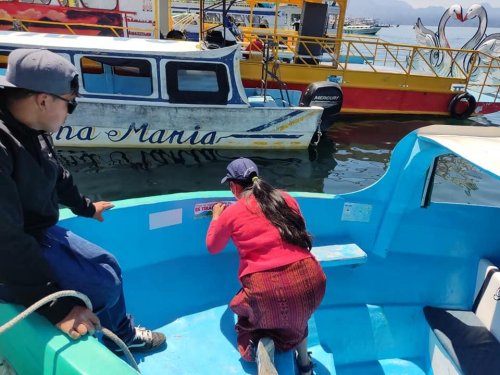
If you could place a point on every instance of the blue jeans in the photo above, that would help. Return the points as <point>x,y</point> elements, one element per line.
<point>87,268</point>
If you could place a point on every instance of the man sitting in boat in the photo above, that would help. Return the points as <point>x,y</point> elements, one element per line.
<point>282,282</point>
<point>37,257</point>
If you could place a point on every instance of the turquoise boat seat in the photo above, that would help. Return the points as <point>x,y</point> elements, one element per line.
<point>348,254</point>
<point>274,97</point>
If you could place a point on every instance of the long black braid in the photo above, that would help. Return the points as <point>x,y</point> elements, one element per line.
<point>289,223</point>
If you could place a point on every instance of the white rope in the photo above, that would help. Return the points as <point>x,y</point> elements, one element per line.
<point>70,293</point>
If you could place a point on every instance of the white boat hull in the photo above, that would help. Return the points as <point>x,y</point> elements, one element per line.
<point>369,30</point>
<point>165,126</point>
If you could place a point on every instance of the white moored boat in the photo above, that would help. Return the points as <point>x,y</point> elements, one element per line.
<point>162,93</point>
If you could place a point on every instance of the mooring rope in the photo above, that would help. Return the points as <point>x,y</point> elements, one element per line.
<point>71,293</point>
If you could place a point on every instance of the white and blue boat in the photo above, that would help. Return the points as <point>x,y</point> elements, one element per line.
<point>412,275</point>
<point>163,93</point>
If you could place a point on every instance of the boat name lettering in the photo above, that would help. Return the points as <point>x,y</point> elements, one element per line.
<point>161,136</point>
<point>141,133</point>
<point>86,133</point>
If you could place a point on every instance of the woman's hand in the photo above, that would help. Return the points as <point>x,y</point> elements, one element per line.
<point>100,207</point>
<point>217,209</point>
<point>79,322</point>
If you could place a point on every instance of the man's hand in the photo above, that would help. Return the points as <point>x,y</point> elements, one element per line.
<point>100,207</point>
<point>79,322</point>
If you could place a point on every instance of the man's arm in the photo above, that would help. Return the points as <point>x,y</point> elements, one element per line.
<point>69,195</point>
<point>22,265</point>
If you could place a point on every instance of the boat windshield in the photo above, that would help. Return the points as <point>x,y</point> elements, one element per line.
<point>458,181</point>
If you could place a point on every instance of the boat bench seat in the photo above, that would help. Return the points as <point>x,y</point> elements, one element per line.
<point>348,254</point>
<point>468,340</point>
<point>259,101</point>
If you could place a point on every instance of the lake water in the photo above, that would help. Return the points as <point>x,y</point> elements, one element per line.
<point>354,154</point>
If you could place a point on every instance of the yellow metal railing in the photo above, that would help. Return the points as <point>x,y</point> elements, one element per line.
<point>485,77</point>
<point>374,54</point>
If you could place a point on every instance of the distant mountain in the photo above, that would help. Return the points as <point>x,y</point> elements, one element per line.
<point>398,12</point>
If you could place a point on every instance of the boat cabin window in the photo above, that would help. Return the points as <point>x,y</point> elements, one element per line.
<point>3,60</point>
<point>116,75</point>
<point>294,18</point>
<point>456,180</point>
<point>197,83</point>
<point>211,17</point>
<point>238,19</point>
<point>332,21</point>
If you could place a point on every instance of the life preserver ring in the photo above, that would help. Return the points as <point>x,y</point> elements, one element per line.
<point>462,106</point>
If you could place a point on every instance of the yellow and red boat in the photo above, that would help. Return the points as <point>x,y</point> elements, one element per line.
<point>376,77</point>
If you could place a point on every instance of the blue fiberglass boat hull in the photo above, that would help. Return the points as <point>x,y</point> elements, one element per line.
<point>417,252</point>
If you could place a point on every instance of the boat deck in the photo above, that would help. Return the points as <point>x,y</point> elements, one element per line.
<point>187,353</point>
<point>200,332</point>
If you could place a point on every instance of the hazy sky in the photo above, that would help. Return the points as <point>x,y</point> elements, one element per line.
<point>447,3</point>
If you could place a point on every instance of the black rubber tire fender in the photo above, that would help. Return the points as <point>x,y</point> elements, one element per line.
<point>457,101</point>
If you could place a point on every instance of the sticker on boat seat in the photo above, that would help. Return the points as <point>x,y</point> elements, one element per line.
<point>357,212</point>
<point>205,209</point>
<point>165,218</point>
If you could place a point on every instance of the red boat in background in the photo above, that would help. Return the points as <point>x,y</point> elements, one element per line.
<point>54,16</point>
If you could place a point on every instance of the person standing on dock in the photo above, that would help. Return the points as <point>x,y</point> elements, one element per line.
<point>282,282</point>
<point>38,257</point>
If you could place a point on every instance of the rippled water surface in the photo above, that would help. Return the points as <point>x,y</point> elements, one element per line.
<point>353,154</point>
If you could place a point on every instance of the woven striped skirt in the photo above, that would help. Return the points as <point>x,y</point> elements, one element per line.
<point>277,303</point>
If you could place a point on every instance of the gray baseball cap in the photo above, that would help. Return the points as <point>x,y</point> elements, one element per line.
<point>240,169</point>
<point>40,70</point>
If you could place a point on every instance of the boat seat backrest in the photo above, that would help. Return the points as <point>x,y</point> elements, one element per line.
<point>486,305</point>
<point>483,268</point>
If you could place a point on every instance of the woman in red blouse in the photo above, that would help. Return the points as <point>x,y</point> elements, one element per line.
<point>282,282</point>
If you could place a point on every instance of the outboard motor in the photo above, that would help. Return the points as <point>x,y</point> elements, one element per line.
<point>324,94</point>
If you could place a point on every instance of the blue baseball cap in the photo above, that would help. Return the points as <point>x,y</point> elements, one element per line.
<point>40,70</point>
<point>240,169</point>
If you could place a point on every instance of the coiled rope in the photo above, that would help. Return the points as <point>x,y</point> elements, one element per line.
<point>71,293</point>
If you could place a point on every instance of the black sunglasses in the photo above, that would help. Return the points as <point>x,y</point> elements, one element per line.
<point>71,103</point>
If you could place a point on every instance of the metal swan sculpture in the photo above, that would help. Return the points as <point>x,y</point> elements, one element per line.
<point>440,60</point>
<point>489,46</point>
